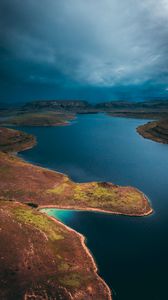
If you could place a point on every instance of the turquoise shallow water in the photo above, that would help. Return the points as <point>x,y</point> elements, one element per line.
<point>131,253</point>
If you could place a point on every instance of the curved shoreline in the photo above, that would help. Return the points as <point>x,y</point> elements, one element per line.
<point>98,210</point>
<point>82,238</point>
<point>79,235</point>
<point>87,251</point>
<point>149,131</point>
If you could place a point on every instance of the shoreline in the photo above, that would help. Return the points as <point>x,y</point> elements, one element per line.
<point>146,132</point>
<point>91,209</point>
<point>96,210</point>
<point>82,239</point>
<point>76,208</point>
<point>59,124</point>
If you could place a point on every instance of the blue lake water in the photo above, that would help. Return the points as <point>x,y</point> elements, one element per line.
<point>131,253</point>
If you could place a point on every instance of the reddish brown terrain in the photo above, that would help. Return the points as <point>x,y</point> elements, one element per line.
<point>40,257</point>
<point>47,118</point>
<point>24,182</point>
<point>156,131</point>
<point>14,140</point>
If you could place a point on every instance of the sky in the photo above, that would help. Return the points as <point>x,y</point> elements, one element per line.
<point>96,50</point>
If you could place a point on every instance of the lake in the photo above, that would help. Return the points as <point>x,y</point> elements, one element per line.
<point>131,252</point>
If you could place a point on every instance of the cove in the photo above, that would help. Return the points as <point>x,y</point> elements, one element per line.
<point>131,253</point>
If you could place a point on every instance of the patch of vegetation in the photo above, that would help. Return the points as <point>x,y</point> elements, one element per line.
<point>80,193</point>
<point>39,221</point>
<point>94,193</point>
<point>107,196</point>
<point>63,266</point>
<point>58,189</point>
<point>72,280</point>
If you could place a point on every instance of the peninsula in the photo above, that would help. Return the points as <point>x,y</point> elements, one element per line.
<point>156,131</point>
<point>31,183</point>
<point>55,272</point>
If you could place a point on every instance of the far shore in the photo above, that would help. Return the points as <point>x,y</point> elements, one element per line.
<point>45,184</point>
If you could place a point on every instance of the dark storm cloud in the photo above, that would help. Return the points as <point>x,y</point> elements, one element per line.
<point>92,43</point>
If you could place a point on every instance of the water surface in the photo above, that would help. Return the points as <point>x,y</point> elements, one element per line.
<point>131,252</point>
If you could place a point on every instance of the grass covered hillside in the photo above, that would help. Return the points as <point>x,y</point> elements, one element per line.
<point>24,182</point>
<point>36,261</point>
<point>40,257</point>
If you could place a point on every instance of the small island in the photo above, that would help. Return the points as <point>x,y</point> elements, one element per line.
<point>55,271</point>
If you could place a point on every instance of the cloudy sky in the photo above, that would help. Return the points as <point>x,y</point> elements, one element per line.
<point>86,49</point>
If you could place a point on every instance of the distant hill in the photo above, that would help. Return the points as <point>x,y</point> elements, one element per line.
<point>77,106</point>
<point>133,105</point>
<point>83,104</point>
<point>58,105</point>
